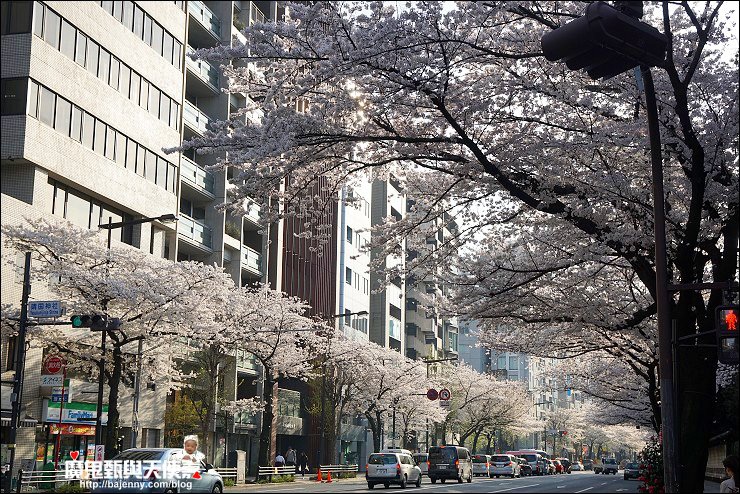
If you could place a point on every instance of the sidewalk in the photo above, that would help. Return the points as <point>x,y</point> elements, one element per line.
<point>251,482</point>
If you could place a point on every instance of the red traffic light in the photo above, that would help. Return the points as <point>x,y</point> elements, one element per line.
<point>432,394</point>
<point>727,334</point>
<point>727,318</point>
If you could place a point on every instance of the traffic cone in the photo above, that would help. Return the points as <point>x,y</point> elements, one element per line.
<point>318,475</point>
<point>328,477</point>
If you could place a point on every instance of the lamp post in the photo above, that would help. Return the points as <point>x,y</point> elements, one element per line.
<point>101,368</point>
<point>605,42</point>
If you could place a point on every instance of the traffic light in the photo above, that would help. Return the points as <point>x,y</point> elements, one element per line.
<point>726,324</point>
<point>606,41</point>
<point>93,321</point>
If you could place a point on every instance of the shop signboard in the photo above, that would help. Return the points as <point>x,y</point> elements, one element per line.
<point>72,429</point>
<point>74,413</point>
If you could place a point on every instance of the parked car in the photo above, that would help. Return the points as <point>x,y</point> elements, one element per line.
<point>550,466</point>
<point>482,465</point>
<point>450,462</point>
<point>422,461</point>
<point>576,466</point>
<point>609,465</point>
<point>558,466</point>
<point>588,464</point>
<point>505,465</point>
<point>536,461</point>
<point>392,467</point>
<point>167,471</point>
<point>631,471</point>
<point>525,467</point>
<point>566,464</point>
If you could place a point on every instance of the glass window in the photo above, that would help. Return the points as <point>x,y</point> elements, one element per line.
<point>62,118</point>
<point>76,123</point>
<point>349,235</point>
<point>33,98</point>
<point>121,149</point>
<point>118,11</point>
<point>108,6</point>
<point>154,100</point>
<point>128,14</point>
<point>115,67</point>
<point>144,94</point>
<point>110,144</point>
<point>174,122</point>
<point>104,68</point>
<point>77,209</point>
<point>51,28</point>
<point>14,96</point>
<point>131,155</point>
<point>124,78</point>
<point>138,21</point>
<point>93,52</point>
<point>67,44</point>
<point>135,86</point>
<point>172,178</point>
<point>502,362</point>
<point>177,54</point>
<point>46,106</point>
<point>99,143</point>
<point>80,50</point>
<point>140,165</point>
<point>164,108</point>
<point>157,33</point>
<point>147,30</point>
<point>16,17</point>
<point>513,363</point>
<point>167,46</point>
<point>151,166</point>
<point>348,276</point>
<point>161,178</point>
<point>88,130</point>
<point>38,18</point>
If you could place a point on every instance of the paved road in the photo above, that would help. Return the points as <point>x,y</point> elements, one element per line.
<point>577,482</point>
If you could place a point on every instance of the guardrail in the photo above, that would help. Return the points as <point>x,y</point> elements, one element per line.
<point>339,469</point>
<point>269,472</point>
<point>227,473</point>
<point>41,479</point>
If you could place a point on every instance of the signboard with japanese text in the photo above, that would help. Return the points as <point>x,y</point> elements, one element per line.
<point>45,308</point>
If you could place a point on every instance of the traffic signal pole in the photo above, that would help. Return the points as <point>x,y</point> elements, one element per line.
<point>101,366</point>
<point>668,405</point>
<point>16,398</point>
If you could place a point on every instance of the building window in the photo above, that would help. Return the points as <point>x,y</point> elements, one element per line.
<point>47,100</point>
<point>289,403</point>
<point>513,363</point>
<point>76,130</point>
<point>67,44</point>
<point>15,17</point>
<point>348,276</point>
<point>14,97</point>
<point>81,49</point>
<point>349,235</point>
<point>63,115</point>
<point>502,362</point>
<point>93,54</point>
<point>99,142</point>
<point>394,328</point>
<point>52,23</point>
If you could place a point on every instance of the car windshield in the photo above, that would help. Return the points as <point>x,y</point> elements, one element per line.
<point>443,454</point>
<point>632,466</point>
<point>610,461</point>
<point>479,459</point>
<point>531,457</point>
<point>500,458</point>
<point>139,455</point>
<point>377,459</point>
<point>420,457</point>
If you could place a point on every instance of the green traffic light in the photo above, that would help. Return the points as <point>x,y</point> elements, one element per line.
<point>76,321</point>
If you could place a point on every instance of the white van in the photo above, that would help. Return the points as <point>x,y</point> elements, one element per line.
<point>392,466</point>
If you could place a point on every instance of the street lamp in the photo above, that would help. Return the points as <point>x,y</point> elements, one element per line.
<point>101,378</point>
<point>321,458</point>
<point>607,41</point>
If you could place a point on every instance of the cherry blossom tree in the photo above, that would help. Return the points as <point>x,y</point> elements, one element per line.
<point>158,302</point>
<point>546,173</point>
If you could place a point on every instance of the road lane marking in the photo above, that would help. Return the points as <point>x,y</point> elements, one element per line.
<point>560,486</point>
<point>514,488</point>
<point>584,490</point>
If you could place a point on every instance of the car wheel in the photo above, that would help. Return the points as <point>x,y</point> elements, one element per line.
<point>370,485</point>
<point>470,478</point>
<point>418,481</point>
<point>217,489</point>
<point>434,481</point>
<point>460,479</point>
<point>386,485</point>
<point>496,476</point>
<point>443,480</point>
<point>404,481</point>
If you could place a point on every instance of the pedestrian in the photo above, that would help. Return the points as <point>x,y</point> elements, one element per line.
<point>279,460</point>
<point>303,463</point>
<point>290,457</point>
<point>732,466</point>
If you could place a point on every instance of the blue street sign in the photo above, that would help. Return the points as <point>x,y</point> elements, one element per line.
<point>45,308</point>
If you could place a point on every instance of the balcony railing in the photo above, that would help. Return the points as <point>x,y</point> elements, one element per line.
<point>202,69</point>
<point>252,210</point>
<point>195,118</point>
<point>251,259</point>
<point>255,14</point>
<point>196,175</point>
<point>205,16</point>
<point>195,230</point>
<point>245,360</point>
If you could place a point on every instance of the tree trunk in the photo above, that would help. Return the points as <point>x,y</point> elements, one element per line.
<point>489,438</point>
<point>263,457</point>
<point>475,440</point>
<point>375,425</point>
<point>111,429</point>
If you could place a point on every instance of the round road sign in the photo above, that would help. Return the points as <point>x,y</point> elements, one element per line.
<point>432,394</point>
<point>444,394</point>
<point>53,364</point>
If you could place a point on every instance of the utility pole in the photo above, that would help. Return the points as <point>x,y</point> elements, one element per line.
<point>16,399</point>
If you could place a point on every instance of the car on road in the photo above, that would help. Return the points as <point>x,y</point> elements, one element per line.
<point>482,465</point>
<point>525,468</point>
<point>576,466</point>
<point>162,470</point>
<point>631,471</point>
<point>450,463</point>
<point>536,461</point>
<point>505,465</point>
<point>566,464</point>
<point>422,461</point>
<point>558,466</point>
<point>550,466</point>
<point>609,465</point>
<point>588,464</point>
<point>395,467</point>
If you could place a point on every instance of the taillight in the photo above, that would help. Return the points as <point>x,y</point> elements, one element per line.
<point>487,464</point>
<point>398,467</point>
<point>429,464</point>
<point>457,463</point>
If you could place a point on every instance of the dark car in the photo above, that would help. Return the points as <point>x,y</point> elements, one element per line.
<point>566,464</point>
<point>588,464</point>
<point>450,462</point>
<point>526,468</point>
<point>631,471</point>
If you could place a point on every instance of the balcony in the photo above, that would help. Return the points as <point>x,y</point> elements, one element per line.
<point>251,260</point>
<point>252,211</point>
<point>245,361</point>
<point>255,14</point>
<point>206,18</point>
<point>195,119</point>
<point>196,176</point>
<point>203,77</point>
<point>194,230</point>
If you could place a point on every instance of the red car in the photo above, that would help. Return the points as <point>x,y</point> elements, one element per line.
<point>558,467</point>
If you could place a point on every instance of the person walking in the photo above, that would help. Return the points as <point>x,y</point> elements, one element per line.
<point>732,466</point>
<point>290,458</point>
<point>303,463</point>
